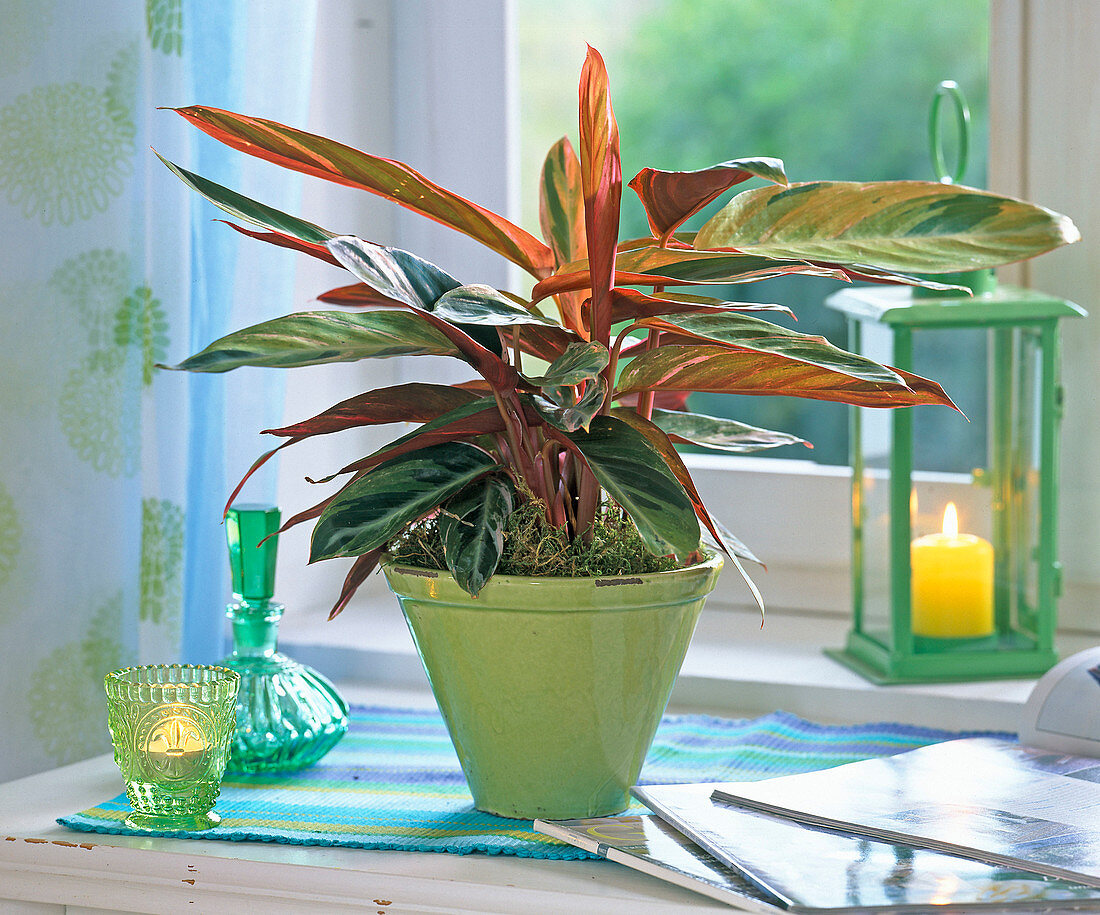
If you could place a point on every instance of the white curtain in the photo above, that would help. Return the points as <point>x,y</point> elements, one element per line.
<point>112,472</point>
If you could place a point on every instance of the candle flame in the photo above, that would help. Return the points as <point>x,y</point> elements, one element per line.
<point>951,520</point>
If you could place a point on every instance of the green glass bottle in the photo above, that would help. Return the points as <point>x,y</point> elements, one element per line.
<point>288,715</point>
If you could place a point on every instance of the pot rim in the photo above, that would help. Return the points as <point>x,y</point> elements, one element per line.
<point>579,593</point>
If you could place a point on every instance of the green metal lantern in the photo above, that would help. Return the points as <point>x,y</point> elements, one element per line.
<point>975,597</point>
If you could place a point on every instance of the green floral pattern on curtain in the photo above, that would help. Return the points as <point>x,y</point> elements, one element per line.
<point>11,535</point>
<point>61,715</point>
<point>66,150</point>
<point>161,561</point>
<point>96,288</point>
<point>164,23</point>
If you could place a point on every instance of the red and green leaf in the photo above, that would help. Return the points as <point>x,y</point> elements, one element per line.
<point>632,305</point>
<point>357,295</point>
<point>680,267</point>
<point>671,197</point>
<point>357,574</point>
<point>720,370</point>
<point>561,218</point>
<point>286,241</point>
<point>321,337</point>
<point>416,402</point>
<point>908,226</point>
<point>714,266</point>
<point>744,332</point>
<point>665,400</point>
<point>602,181</point>
<point>467,421</point>
<point>324,158</point>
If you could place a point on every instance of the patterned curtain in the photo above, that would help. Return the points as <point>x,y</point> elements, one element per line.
<point>113,472</point>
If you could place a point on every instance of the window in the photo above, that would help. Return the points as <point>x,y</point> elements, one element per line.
<point>442,110</point>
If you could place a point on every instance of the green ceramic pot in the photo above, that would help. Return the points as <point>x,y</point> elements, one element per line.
<point>552,688</point>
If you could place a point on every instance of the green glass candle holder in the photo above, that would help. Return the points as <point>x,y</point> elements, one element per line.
<point>171,727</point>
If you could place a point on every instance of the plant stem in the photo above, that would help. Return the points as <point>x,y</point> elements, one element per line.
<point>556,505</point>
<point>514,429</point>
<point>645,398</point>
<point>588,501</point>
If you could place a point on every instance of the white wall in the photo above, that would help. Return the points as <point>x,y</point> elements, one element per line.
<point>426,83</point>
<point>1045,129</point>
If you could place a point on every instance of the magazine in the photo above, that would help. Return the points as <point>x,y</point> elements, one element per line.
<point>1032,804</point>
<point>993,800</point>
<point>810,870</point>
<point>649,845</point>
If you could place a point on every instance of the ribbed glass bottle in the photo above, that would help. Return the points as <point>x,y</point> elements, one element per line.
<point>288,715</point>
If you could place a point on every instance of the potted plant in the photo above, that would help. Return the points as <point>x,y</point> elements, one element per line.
<point>559,453</point>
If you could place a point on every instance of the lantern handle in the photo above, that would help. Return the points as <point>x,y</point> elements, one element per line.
<point>950,89</point>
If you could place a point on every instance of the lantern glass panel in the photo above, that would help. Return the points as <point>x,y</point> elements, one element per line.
<point>957,358</point>
<point>874,437</point>
<point>952,463</point>
<point>1021,572</point>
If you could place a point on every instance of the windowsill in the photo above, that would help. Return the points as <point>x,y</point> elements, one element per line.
<point>734,668</point>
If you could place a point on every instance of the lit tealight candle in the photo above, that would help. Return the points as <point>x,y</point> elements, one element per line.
<point>176,747</point>
<point>952,583</point>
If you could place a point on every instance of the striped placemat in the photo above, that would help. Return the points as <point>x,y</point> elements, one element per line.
<point>394,782</point>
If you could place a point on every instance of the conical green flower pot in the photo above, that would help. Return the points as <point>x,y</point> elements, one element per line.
<point>552,688</point>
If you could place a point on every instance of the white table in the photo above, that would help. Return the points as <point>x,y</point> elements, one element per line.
<point>45,868</point>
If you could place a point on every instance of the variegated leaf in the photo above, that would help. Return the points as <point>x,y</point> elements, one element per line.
<point>636,476</point>
<point>418,283</point>
<point>631,304</point>
<point>580,362</point>
<point>562,411</point>
<point>671,197</point>
<point>373,509</point>
<point>909,226</point>
<point>324,158</point>
<point>749,333</point>
<point>722,370</point>
<point>478,304</point>
<point>720,433</point>
<point>252,211</point>
<point>471,526</point>
<point>320,337</point>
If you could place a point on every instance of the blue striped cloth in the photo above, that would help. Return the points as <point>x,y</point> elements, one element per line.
<point>394,782</point>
